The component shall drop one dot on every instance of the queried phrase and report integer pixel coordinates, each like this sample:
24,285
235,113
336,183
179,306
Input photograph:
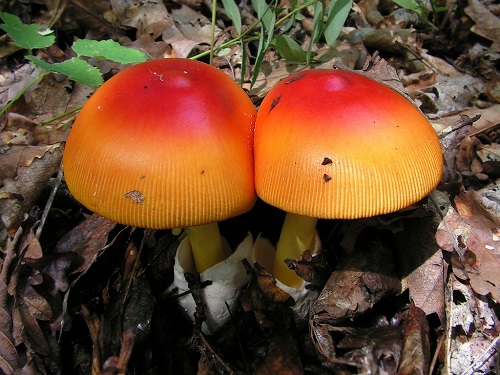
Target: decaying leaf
264,292
50,99
486,25
486,120
490,199
269,75
151,17
31,176
467,162
449,95
8,354
189,30
392,40
282,357
86,240
363,278
272,309
470,232
54,268
473,326
421,265
117,303
415,356
373,350
26,301
27,329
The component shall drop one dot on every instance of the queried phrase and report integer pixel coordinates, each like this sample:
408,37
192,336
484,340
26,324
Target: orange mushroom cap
163,144
335,144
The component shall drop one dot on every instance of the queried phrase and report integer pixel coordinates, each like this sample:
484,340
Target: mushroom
335,144
166,144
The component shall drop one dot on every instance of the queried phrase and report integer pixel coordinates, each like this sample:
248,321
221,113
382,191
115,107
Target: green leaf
408,4
259,57
290,23
223,52
265,14
26,36
233,13
439,9
109,50
75,68
413,6
267,22
289,49
339,10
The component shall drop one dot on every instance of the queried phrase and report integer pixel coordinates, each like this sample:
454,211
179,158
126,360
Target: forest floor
80,294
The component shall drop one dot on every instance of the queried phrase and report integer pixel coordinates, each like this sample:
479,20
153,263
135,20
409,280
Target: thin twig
48,205
482,358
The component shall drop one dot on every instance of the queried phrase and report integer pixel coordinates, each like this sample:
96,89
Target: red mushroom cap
335,144
166,143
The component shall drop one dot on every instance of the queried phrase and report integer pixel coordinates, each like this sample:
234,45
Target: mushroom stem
206,245
297,236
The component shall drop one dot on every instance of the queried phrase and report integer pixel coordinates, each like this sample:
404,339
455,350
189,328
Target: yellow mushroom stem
297,235
206,245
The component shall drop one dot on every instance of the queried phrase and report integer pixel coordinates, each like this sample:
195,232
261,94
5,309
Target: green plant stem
294,12
230,43
212,39
241,38
69,112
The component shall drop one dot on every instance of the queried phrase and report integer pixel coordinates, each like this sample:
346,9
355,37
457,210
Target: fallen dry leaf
27,329
8,353
471,331
448,94
375,349
31,175
282,357
479,60
146,43
391,40
467,161
189,30
21,305
271,307
364,277
486,25
262,339
370,11
13,81
271,72
421,265
415,356
487,119
149,17
21,156
51,98
86,240
470,232
489,199
264,292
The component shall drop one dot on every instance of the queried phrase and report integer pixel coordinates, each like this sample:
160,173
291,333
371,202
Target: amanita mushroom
166,144
335,144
